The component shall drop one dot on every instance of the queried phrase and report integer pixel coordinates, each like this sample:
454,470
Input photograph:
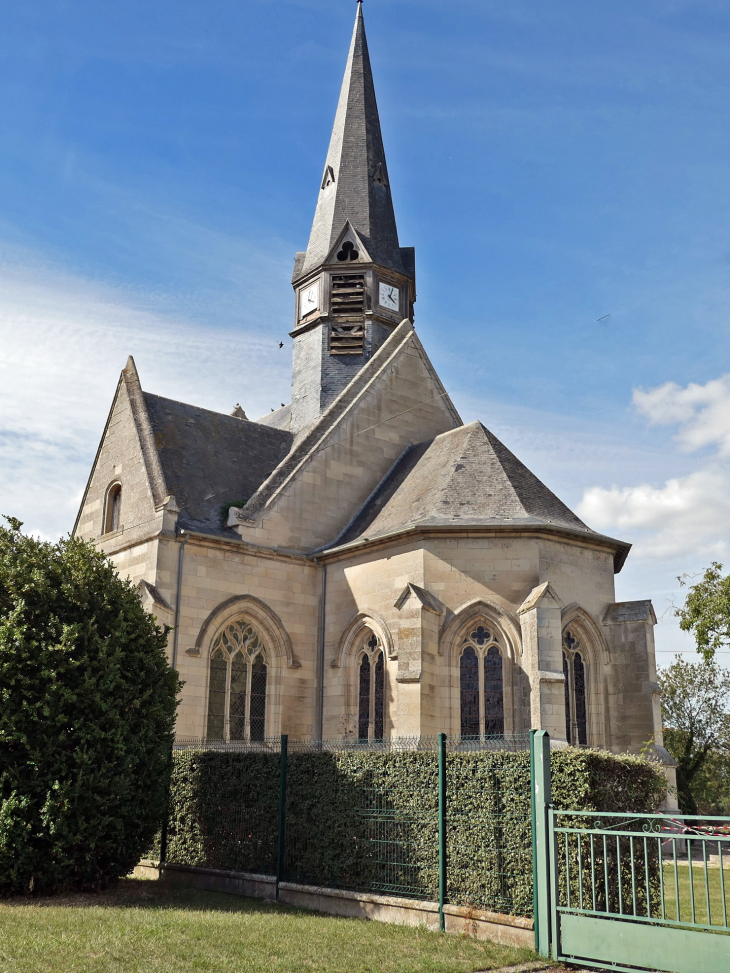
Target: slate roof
209,458
468,478
355,161
279,418
309,440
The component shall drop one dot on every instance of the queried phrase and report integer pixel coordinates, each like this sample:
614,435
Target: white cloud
688,516
683,523
63,342
702,412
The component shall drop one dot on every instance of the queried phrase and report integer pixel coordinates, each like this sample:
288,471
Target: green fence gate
629,891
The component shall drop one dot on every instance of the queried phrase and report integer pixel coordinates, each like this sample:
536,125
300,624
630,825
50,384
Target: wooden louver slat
347,304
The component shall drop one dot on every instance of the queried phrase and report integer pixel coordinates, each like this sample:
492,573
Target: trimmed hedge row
368,820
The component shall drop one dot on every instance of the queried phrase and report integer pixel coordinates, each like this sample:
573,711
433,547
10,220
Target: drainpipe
181,554
320,659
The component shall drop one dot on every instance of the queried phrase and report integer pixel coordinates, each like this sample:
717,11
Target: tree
706,611
696,720
87,711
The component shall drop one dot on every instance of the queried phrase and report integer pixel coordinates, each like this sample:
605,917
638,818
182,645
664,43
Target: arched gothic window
112,514
481,684
237,685
371,691
574,670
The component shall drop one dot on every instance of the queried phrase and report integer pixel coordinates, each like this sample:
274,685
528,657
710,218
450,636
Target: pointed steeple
355,185
355,283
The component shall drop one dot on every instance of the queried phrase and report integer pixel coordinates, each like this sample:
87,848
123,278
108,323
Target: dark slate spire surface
355,183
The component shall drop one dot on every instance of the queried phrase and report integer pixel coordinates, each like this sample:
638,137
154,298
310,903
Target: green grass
698,884
147,927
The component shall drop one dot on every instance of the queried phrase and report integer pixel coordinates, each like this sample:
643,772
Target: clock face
308,300
389,297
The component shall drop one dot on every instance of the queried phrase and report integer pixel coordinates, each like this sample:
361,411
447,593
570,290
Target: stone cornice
365,545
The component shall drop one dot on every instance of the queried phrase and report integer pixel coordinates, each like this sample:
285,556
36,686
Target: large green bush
87,710
369,820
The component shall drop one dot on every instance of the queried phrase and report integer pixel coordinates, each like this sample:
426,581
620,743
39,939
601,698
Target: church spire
355,283
355,185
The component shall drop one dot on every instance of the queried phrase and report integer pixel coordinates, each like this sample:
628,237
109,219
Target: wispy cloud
64,342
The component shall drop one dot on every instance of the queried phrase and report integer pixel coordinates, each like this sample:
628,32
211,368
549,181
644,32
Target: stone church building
361,564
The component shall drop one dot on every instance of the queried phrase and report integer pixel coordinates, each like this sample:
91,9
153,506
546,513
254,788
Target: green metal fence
629,892
383,843
441,828
649,868
641,891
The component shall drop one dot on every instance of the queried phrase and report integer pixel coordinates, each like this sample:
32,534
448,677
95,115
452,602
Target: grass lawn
698,884
147,927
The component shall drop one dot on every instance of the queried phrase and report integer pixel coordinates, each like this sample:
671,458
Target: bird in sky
281,344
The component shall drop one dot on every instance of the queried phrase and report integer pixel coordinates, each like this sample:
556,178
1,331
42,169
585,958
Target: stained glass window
493,693
363,721
217,695
379,696
237,686
469,693
568,708
371,692
579,683
257,717
481,636
576,708
481,684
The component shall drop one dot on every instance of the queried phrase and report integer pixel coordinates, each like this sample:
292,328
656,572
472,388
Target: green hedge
368,820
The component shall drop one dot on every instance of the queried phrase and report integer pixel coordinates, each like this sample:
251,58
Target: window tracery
481,684
371,690
237,684
574,670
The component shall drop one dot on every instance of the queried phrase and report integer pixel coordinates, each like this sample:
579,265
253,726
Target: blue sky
551,163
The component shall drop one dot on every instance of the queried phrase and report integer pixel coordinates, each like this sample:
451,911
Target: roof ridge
148,445
326,422
518,485
475,434
189,405
337,411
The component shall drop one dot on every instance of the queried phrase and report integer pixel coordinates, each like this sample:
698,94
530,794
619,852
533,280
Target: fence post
541,799
281,843
163,829
533,809
442,829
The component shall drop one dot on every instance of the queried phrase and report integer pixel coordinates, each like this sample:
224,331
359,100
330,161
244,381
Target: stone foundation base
506,930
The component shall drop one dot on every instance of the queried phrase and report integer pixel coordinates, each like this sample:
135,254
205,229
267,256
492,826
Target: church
360,564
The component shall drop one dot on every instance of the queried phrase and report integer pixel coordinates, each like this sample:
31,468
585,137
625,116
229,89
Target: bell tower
354,283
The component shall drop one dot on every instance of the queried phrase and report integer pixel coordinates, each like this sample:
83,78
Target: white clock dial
389,297
308,300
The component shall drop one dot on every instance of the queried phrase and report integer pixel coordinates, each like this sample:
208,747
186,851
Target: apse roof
464,478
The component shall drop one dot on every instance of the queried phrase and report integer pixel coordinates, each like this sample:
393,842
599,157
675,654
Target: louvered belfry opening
347,332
